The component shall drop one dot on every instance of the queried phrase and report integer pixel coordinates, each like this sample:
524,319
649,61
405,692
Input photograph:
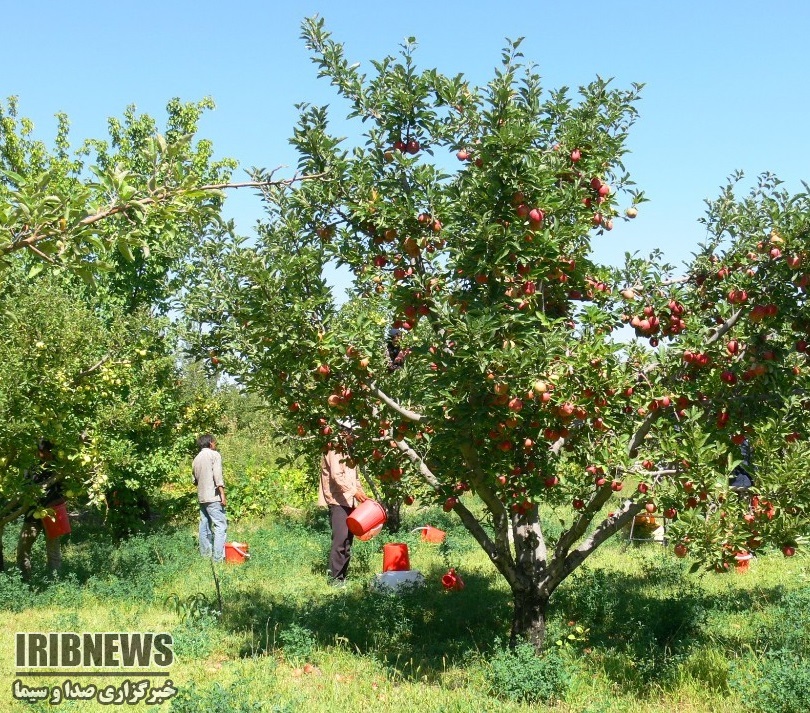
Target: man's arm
219,482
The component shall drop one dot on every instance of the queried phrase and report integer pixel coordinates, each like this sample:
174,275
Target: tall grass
634,628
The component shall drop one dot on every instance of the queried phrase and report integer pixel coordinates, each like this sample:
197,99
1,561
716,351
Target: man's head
207,441
44,449
347,430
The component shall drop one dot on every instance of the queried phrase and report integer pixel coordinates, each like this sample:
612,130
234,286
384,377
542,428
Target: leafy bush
521,675
234,699
261,490
298,642
781,684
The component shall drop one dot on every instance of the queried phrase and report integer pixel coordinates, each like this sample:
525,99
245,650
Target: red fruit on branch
680,550
450,503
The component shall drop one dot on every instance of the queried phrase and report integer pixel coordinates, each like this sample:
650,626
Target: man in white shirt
207,470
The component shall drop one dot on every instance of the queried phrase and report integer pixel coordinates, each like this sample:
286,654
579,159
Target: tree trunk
529,618
394,521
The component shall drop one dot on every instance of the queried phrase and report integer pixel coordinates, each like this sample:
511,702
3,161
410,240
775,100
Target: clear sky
726,82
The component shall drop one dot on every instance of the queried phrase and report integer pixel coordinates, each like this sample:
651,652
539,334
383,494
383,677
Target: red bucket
451,580
57,524
371,533
236,552
432,534
395,557
365,517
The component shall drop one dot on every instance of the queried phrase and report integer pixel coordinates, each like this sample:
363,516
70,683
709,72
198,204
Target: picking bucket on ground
743,559
451,580
395,557
365,517
432,534
237,552
57,524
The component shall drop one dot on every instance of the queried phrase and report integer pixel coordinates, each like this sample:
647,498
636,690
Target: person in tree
44,477
396,354
742,476
207,470
340,490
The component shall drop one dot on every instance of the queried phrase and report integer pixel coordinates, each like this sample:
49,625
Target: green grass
647,635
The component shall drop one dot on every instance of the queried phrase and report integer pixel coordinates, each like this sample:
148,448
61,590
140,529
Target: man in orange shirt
340,490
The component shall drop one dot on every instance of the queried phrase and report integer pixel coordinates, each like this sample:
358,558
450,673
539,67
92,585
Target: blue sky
726,86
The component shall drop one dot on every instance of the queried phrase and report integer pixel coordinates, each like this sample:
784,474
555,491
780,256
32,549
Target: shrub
234,699
521,675
258,491
297,641
781,684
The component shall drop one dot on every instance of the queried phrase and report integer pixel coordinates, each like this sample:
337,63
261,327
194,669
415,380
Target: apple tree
92,250
466,217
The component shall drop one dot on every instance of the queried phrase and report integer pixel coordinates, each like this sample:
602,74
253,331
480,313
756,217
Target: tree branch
388,401
603,532
728,324
580,525
643,430
503,564
110,211
500,517
91,369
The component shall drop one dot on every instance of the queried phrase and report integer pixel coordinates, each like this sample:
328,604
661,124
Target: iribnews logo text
105,650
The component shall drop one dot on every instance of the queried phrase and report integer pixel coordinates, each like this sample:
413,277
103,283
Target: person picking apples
44,477
340,490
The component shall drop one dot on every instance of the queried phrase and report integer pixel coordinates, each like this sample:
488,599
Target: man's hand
360,496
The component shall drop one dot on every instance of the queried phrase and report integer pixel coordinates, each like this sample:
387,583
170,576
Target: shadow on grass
417,630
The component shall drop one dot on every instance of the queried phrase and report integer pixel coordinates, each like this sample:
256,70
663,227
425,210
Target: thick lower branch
603,532
500,516
580,525
395,405
499,558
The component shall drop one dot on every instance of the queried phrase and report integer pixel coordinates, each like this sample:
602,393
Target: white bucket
394,580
